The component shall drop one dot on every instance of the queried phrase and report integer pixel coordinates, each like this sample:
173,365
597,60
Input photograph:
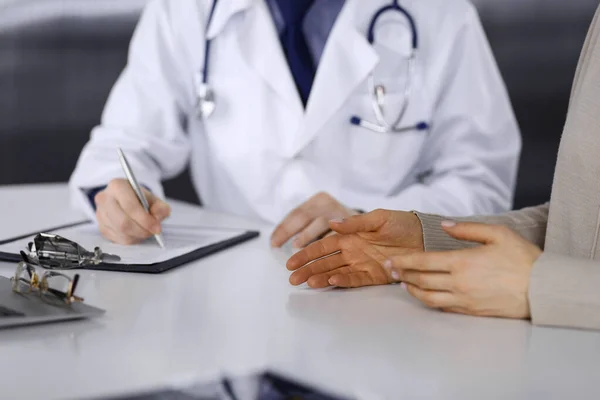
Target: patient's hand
489,280
363,244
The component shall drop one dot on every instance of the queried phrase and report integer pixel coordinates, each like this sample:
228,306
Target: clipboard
154,268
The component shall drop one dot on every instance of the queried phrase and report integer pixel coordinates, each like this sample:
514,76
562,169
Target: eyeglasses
53,287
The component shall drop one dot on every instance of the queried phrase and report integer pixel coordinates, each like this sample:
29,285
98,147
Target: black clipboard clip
56,252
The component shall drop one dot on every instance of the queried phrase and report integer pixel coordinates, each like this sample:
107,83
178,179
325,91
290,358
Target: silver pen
138,190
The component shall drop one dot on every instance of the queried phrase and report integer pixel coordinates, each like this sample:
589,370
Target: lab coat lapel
347,60
261,48
224,11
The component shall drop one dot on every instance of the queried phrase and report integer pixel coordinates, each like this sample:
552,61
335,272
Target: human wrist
419,231
434,237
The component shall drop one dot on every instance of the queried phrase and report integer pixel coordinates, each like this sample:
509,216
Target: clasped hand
384,247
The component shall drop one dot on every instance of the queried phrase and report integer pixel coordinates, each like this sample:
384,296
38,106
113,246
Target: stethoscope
377,92
205,95
205,105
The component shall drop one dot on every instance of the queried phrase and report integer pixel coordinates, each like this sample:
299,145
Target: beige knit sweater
565,282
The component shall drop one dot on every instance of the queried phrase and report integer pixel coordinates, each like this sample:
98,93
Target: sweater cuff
563,291
434,237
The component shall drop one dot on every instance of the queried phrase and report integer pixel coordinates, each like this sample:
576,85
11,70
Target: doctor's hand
490,280
122,218
309,221
356,256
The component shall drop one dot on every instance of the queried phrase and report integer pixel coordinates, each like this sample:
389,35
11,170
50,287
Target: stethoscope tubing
206,99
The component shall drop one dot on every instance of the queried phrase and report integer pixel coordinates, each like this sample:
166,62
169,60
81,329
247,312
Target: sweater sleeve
530,223
563,291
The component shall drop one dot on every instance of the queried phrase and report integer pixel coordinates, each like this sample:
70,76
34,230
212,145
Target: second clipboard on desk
81,246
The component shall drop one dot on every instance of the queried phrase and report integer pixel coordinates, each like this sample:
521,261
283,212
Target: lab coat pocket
387,158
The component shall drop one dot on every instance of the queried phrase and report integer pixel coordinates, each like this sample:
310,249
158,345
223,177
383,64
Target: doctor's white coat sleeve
473,149
144,115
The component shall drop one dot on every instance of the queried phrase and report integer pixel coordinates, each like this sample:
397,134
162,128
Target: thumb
369,222
475,232
158,207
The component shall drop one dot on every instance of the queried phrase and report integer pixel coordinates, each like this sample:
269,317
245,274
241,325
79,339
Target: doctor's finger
159,208
131,205
315,230
295,222
117,237
108,231
318,267
104,225
122,223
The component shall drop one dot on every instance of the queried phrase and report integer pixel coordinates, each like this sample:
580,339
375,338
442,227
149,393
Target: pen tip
160,241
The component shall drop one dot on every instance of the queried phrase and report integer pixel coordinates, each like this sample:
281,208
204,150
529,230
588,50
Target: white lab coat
261,154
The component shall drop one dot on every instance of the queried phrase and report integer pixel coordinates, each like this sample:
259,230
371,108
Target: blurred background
60,58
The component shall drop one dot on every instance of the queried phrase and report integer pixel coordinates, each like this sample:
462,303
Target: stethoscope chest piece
205,106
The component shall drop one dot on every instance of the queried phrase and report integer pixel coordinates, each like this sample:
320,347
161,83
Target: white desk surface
235,313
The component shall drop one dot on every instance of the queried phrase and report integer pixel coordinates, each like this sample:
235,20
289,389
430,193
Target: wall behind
537,45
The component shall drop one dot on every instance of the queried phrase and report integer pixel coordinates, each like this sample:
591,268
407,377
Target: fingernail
156,229
388,264
331,281
163,215
337,220
296,243
448,224
395,275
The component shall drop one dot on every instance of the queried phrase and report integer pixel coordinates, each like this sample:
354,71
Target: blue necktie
294,44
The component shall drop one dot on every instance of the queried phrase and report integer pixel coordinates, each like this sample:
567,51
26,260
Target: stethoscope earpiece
422,126
357,121
378,92
206,103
